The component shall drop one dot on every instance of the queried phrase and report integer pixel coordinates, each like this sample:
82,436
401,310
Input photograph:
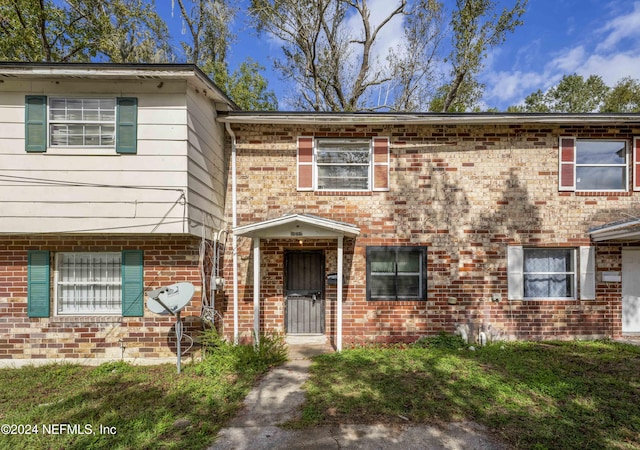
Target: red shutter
567,176
381,164
636,164
305,163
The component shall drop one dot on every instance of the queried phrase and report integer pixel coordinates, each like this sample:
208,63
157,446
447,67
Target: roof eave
329,228
276,118
108,71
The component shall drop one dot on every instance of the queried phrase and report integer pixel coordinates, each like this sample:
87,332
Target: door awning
627,230
298,226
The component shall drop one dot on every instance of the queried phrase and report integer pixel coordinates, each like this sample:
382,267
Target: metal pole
178,338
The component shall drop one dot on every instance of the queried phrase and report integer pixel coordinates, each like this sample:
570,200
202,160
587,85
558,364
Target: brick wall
167,260
464,191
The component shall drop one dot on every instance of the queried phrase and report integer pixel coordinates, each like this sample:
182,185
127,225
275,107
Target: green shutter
38,284
132,283
35,123
127,125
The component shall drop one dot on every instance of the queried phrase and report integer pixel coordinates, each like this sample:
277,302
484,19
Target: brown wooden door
304,292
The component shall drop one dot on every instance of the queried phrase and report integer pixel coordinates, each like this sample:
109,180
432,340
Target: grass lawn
118,406
548,395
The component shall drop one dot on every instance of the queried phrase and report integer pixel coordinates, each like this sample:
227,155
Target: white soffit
628,230
298,226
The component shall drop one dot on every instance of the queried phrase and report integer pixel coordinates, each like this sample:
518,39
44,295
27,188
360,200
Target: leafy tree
477,27
133,32
248,88
208,23
39,30
336,68
82,30
624,97
573,94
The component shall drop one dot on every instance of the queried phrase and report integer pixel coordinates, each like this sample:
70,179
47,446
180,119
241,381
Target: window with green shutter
99,283
81,122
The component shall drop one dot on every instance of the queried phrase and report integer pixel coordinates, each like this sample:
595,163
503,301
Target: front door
304,292
630,290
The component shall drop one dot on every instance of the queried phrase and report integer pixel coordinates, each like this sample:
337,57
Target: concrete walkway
279,397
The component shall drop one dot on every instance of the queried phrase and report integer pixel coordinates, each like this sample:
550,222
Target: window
339,165
343,165
549,273
593,165
396,273
82,122
88,283
601,165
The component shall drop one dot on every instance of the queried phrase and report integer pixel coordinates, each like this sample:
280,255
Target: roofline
386,118
114,71
623,229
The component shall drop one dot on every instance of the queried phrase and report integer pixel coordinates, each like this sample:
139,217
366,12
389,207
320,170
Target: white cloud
620,28
612,67
569,60
612,52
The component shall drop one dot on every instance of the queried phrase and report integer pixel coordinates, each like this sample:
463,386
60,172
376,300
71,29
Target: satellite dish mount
171,300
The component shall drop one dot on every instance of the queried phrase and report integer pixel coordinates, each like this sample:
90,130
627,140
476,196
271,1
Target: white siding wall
101,191
206,165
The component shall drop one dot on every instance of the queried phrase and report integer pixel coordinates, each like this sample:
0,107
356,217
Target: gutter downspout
234,224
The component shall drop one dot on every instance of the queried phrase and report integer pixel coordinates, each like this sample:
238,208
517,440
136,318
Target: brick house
112,184
346,228
357,228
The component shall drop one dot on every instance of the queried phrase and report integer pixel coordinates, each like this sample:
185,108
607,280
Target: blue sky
559,37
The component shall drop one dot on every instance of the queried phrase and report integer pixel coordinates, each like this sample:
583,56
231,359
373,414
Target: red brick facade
466,192
167,260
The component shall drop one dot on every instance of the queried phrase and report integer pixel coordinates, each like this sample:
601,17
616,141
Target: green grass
147,407
550,395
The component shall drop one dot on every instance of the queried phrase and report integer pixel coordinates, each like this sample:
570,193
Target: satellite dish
170,299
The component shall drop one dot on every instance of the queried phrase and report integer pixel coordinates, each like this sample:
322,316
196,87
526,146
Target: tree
133,32
476,29
248,88
208,23
333,51
414,64
624,97
573,94
335,67
39,30
82,30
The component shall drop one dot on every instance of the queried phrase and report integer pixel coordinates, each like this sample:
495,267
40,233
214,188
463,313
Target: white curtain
548,273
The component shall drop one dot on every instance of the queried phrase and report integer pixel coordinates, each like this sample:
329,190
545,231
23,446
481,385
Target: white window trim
57,282
625,165
50,122
574,273
584,278
316,172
